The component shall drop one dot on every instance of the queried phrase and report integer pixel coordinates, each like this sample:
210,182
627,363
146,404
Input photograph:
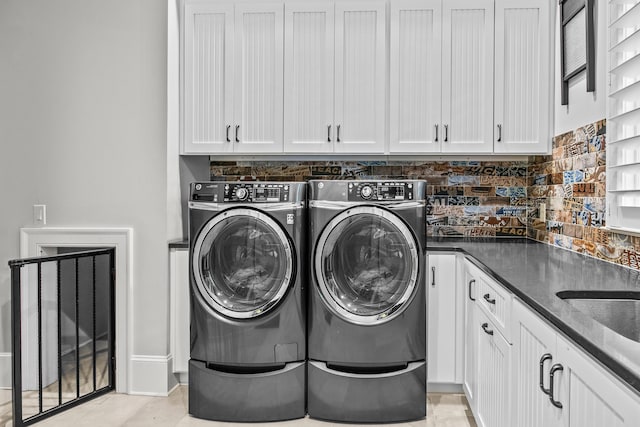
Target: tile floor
443,410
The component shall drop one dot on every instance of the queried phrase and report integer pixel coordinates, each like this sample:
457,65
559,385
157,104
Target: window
623,121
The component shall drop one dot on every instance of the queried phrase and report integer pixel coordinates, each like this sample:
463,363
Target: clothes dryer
367,301
247,263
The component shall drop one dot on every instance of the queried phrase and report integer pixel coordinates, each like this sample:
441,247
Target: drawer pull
328,133
228,127
544,358
488,299
436,140
433,277
471,282
485,328
237,133
555,368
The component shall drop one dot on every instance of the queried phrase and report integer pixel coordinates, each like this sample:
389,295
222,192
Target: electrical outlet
39,214
542,211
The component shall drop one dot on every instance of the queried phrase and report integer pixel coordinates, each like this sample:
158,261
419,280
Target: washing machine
248,317
367,301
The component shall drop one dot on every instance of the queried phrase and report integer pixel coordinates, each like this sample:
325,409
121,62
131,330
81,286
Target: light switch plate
39,214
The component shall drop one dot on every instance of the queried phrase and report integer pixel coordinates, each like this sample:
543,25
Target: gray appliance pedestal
367,398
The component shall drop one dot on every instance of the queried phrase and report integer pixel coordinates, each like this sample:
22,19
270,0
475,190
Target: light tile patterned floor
111,410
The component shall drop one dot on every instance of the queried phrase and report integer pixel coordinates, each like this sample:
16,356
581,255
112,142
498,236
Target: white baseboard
444,388
5,370
152,375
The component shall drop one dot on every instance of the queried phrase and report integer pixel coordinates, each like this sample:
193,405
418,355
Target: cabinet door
533,354
441,328
415,96
360,76
522,76
493,375
467,76
259,29
590,396
470,382
308,92
208,77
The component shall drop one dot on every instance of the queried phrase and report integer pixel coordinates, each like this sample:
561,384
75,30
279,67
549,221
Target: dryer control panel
360,191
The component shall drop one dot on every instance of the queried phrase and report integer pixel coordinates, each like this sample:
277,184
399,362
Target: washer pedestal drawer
367,398
268,396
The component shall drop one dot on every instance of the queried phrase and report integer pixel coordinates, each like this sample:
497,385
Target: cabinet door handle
544,358
237,133
488,299
338,134
472,281
436,138
433,277
446,133
555,368
499,133
328,133
485,328
228,128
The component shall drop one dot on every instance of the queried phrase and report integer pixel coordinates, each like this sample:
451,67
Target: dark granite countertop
179,244
534,272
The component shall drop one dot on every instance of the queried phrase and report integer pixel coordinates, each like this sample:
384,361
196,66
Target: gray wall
83,130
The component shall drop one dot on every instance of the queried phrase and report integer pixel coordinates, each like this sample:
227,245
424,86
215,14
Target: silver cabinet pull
338,136
488,299
436,138
237,133
446,133
555,368
471,282
499,133
228,128
433,277
328,133
485,328
544,358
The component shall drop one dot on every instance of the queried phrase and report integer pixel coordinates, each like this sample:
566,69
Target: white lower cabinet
470,376
578,392
493,393
445,324
180,313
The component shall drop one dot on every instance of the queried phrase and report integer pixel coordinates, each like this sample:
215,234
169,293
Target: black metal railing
63,326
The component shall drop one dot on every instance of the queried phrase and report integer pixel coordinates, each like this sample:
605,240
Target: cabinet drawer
495,301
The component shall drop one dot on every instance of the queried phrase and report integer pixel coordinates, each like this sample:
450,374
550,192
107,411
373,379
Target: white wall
584,107
83,106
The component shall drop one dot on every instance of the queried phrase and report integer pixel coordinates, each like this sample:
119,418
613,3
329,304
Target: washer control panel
248,192
362,191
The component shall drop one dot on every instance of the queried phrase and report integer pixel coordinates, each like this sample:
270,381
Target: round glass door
366,262
242,263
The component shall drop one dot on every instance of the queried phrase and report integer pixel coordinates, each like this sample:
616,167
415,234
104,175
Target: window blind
623,121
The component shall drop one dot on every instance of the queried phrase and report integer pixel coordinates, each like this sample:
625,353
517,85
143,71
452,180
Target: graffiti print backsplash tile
465,198
570,184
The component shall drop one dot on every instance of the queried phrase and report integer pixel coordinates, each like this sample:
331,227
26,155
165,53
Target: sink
617,310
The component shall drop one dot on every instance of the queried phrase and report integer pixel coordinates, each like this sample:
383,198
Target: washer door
366,263
242,263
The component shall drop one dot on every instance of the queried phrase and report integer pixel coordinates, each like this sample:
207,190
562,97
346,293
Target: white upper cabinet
415,97
259,77
360,75
233,76
467,76
308,89
335,74
208,77
522,76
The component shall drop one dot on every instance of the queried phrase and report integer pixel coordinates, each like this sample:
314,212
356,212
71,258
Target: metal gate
63,332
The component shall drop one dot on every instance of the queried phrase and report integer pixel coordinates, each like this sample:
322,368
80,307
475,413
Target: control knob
366,192
242,193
